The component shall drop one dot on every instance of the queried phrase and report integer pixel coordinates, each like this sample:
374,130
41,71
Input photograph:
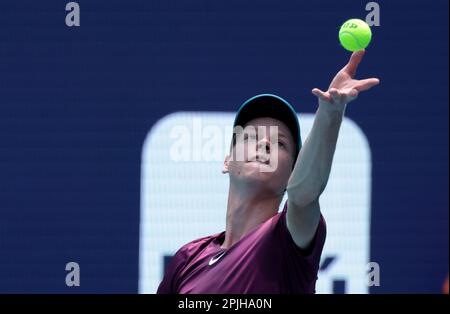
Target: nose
264,145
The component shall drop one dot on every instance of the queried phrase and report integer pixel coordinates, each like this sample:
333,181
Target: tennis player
263,250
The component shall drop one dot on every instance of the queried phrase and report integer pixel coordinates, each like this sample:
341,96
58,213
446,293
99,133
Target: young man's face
263,155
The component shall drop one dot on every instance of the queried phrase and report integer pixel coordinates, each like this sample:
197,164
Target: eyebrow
282,135
286,138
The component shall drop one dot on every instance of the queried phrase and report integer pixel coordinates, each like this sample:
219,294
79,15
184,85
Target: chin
258,171
261,167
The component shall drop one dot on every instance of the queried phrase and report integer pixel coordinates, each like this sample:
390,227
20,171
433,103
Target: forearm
313,166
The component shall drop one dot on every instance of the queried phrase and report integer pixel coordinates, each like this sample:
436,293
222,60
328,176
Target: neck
246,210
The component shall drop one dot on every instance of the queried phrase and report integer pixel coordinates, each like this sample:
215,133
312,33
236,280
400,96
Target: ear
226,163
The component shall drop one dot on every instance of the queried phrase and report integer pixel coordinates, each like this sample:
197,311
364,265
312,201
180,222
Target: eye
246,136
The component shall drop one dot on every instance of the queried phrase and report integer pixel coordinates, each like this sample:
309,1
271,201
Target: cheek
242,151
234,167
285,165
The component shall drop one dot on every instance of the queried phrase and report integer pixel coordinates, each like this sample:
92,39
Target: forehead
267,122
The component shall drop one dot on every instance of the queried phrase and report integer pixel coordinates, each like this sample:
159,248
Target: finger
366,84
320,94
351,95
353,63
317,92
335,95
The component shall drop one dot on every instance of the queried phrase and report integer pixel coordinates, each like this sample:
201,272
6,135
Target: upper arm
302,222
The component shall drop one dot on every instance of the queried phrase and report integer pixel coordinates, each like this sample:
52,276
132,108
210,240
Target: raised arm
312,169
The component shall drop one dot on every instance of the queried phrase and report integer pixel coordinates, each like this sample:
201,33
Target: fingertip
357,55
316,92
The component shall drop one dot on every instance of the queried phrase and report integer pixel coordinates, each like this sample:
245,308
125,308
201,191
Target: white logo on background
73,17
73,276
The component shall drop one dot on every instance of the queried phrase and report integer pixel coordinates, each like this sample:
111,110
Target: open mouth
260,160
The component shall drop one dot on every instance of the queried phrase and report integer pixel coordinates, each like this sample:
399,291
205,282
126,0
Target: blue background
76,104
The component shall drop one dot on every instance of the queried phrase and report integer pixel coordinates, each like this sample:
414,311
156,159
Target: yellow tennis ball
355,35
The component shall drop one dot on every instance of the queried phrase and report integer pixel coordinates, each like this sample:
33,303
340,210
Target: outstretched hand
344,88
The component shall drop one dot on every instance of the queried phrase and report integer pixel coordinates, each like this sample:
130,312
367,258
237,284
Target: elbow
306,191
303,197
